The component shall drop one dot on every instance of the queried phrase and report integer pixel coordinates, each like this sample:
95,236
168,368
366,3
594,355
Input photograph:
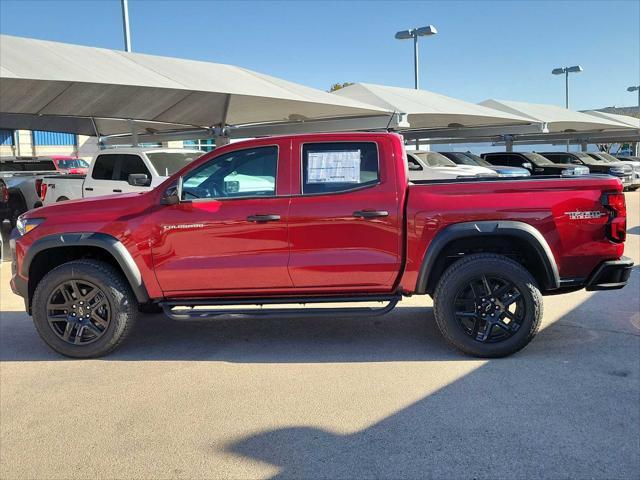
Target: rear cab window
333,167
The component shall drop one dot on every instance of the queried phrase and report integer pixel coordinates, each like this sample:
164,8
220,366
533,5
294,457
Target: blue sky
499,49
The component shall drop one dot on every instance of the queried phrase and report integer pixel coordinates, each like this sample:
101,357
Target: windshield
537,159
461,158
478,159
605,157
72,163
434,159
168,163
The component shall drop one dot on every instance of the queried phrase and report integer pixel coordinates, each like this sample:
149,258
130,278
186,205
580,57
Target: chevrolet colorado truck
324,219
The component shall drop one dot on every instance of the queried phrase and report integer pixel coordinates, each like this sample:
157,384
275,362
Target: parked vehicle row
120,170
598,163
322,218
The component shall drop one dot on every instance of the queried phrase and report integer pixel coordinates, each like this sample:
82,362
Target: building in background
26,143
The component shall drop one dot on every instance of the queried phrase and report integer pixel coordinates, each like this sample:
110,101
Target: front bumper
19,285
610,275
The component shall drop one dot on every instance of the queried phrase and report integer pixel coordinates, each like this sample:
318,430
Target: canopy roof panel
624,119
558,119
430,110
48,78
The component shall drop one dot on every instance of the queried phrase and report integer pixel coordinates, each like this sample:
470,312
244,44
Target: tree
338,86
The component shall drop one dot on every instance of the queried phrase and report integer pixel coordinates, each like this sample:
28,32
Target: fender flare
521,230
89,239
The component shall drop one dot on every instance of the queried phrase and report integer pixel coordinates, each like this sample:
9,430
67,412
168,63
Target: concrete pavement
330,398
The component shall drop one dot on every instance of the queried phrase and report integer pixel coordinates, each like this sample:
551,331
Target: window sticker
337,166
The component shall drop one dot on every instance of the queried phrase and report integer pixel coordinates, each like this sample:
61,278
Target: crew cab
319,219
596,164
534,162
119,170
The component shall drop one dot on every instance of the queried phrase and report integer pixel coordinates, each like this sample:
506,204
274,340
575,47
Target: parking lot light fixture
635,88
415,33
566,71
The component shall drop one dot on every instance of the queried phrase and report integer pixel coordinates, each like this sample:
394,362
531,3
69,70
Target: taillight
4,193
39,187
617,225
43,191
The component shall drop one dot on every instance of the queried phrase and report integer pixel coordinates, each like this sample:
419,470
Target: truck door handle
263,218
89,189
370,213
117,190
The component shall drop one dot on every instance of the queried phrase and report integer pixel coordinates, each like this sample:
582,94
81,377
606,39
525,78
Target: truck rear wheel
488,305
84,309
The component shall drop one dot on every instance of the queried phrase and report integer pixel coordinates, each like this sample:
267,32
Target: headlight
25,225
616,170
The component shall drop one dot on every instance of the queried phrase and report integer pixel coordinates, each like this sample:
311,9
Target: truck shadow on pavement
564,407
408,333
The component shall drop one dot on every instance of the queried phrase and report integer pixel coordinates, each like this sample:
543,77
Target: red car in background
70,165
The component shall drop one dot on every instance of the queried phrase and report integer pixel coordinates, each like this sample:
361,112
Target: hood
466,170
505,170
94,209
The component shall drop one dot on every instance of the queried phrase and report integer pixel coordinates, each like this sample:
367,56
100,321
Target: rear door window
104,167
339,166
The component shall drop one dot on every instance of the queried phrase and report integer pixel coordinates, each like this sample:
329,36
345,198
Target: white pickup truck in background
119,170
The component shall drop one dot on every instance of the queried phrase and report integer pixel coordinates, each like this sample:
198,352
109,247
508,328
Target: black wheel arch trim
91,239
521,230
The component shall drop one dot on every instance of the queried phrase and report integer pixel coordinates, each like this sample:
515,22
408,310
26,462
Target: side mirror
139,180
528,166
173,195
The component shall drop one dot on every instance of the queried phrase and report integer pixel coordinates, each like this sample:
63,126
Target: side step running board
186,309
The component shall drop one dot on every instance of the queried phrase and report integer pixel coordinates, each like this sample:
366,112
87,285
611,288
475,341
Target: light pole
125,25
566,71
415,33
635,89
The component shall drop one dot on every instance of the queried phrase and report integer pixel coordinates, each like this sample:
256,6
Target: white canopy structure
633,122
63,87
428,110
557,119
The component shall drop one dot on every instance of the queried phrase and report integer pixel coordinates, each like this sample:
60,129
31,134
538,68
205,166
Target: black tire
62,199
465,330
114,294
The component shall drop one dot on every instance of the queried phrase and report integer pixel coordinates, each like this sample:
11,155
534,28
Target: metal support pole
508,143
125,25
566,89
134,133
416,79
583,145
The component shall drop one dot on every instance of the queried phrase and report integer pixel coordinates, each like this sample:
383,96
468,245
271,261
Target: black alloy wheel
78,312
489,308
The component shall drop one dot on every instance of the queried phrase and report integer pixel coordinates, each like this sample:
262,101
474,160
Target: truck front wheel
84,308
488,305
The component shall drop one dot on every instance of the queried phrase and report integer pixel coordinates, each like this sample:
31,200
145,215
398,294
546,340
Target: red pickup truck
319,219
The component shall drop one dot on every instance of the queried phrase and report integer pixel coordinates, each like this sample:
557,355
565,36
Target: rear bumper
610,275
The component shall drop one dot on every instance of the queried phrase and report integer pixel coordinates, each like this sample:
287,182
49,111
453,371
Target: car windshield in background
168,163
588,159
537,158
73,163
461,158
434,159
479,160
606,157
